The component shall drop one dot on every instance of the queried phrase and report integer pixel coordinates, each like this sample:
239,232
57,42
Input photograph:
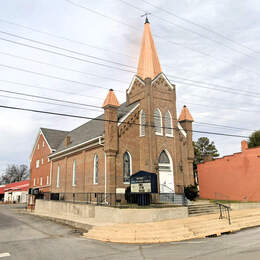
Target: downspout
99,141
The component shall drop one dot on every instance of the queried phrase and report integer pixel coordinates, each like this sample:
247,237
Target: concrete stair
202,209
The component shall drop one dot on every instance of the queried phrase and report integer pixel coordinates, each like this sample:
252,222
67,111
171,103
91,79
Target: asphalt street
29,237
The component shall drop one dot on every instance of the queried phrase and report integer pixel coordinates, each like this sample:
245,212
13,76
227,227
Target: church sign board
143,182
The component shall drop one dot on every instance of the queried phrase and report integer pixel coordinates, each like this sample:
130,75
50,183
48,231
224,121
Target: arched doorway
166,177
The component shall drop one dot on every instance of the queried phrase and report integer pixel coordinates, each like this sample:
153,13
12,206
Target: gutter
76,146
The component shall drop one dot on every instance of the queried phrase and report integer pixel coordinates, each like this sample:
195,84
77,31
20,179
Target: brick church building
141,134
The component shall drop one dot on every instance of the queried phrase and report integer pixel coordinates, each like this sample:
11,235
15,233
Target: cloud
119,43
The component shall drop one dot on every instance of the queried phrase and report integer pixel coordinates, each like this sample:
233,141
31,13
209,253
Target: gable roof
53,137
92,129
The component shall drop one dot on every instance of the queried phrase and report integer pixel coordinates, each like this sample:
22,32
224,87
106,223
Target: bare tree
14,173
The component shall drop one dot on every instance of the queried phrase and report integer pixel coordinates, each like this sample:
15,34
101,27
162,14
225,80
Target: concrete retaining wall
250,205
107,214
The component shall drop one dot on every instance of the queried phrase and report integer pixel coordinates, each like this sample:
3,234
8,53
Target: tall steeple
148,64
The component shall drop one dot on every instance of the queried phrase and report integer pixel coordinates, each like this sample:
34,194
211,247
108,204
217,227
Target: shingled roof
92,129
54,137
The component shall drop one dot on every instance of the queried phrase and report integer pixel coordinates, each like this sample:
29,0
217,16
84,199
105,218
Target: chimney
244,145
67,141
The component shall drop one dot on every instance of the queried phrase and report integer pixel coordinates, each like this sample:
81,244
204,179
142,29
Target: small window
38,180
74,174
168,124
38,146
47,180
34,182
41,181
48,159
127,167
37,163
95,179
43,143
142,122
157,122
42,160
58,177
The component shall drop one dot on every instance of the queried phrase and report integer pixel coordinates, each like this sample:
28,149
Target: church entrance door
166,177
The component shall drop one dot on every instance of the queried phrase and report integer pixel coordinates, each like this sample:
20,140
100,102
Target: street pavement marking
4,254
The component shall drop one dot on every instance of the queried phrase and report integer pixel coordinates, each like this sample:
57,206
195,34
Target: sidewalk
175,230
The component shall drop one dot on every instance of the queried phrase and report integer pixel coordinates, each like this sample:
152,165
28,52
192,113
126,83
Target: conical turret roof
111,99
148,64
185,115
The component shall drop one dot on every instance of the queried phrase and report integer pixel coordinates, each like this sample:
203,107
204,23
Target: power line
49,89
67,56
64,49
44,102
65,38
186,29
68,69
54,77
157,36
47,98
60,67
64,55
104,120
80,104
202,27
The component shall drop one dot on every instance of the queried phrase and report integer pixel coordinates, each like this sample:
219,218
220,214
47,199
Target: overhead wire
113,121
201,26
98,107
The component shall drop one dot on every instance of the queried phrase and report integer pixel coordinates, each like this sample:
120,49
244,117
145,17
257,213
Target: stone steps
202,209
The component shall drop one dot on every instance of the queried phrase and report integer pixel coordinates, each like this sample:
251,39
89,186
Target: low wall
244,205
107,214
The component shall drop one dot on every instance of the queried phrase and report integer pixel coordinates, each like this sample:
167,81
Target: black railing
119,200
224,212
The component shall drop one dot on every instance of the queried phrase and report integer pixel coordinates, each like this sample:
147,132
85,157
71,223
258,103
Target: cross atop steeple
146,17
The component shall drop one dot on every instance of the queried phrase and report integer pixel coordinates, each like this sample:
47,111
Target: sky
209,49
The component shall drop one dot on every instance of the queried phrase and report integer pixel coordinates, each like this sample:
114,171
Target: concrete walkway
175,230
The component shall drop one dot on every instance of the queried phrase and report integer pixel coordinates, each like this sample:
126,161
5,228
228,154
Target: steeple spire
148,64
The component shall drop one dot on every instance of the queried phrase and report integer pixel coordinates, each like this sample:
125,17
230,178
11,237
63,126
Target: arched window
157,122
168,124
74,174
58,177
142,122
127,167
95,179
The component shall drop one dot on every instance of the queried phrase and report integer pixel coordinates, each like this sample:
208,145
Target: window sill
169,135
159,134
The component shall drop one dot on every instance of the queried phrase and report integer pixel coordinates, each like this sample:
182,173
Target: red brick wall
44,169
234,177
84,172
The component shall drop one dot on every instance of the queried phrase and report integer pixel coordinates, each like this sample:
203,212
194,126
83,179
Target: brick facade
118,131
124,137
40,176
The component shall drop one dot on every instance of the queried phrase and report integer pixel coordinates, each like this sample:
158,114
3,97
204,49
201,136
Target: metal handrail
224,212
168,187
